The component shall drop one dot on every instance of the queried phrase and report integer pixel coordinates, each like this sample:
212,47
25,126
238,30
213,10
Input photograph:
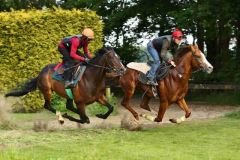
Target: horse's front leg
70,106
128,86
81,110
102,100
162,109
183,105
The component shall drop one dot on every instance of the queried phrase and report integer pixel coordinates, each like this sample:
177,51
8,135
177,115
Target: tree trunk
237,34
223,38
200,36
211,43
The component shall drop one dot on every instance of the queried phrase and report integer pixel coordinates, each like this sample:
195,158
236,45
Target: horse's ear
196,46
193,48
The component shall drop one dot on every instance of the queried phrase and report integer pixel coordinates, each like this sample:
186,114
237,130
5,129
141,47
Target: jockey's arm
74,47
86,51
165,49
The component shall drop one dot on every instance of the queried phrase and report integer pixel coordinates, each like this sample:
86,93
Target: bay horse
89,89
171,89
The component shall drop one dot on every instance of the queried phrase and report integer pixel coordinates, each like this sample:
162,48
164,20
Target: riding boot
152,81
68,82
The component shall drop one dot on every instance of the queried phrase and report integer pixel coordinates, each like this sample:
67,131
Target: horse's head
198,59
112,61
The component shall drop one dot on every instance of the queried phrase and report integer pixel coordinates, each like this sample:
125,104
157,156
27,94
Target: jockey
69,46
160,48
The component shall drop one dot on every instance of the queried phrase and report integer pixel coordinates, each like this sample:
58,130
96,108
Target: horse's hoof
157,120
101,116
82,121
173,120
188,115
61,122
87,121
146,108
136,117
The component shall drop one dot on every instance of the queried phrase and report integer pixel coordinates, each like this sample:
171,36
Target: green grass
217,139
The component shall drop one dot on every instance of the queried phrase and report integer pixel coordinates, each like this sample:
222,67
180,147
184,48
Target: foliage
128,53
7,5
29,39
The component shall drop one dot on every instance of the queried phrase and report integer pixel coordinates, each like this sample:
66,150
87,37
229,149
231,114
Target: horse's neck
184,66
95,74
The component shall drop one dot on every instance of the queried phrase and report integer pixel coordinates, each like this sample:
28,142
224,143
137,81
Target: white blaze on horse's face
205,64
122,66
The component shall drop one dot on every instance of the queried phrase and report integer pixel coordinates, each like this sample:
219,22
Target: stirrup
152,82
69,84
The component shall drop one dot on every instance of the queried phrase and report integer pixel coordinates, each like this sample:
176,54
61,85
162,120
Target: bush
29,39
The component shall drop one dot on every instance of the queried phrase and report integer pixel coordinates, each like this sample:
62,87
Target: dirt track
199,112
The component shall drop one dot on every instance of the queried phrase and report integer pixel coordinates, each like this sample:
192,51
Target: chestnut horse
171,89
89,89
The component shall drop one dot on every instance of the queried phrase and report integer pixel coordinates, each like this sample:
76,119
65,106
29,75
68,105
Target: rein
109,69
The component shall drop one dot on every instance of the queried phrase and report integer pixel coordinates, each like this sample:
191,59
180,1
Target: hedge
29,39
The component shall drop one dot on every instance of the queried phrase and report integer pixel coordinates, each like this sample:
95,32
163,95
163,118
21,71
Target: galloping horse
172,88
89,89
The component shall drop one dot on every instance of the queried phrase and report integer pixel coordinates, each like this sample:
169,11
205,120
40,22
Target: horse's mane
182,51
100,52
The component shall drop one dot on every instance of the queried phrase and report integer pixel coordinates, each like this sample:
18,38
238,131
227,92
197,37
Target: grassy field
217,139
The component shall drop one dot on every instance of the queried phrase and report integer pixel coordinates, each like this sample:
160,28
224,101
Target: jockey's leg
68,72
156,63
102,100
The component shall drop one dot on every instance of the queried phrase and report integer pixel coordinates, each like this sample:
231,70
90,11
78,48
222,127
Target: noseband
118,71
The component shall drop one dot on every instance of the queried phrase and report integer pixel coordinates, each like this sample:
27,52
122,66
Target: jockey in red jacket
69,46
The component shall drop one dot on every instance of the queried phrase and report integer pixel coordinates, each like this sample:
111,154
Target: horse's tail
27,87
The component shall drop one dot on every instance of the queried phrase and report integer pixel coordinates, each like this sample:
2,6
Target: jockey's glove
172,63
86,60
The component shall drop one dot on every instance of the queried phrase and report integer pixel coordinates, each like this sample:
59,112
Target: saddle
77,73
161,72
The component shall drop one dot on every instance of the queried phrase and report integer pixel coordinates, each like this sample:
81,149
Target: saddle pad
142,67
58,74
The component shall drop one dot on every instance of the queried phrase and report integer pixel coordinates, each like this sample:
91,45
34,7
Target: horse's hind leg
102,100
145,102
47,97
47,105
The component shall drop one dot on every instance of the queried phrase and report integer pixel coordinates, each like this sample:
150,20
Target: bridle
118,71
197,58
